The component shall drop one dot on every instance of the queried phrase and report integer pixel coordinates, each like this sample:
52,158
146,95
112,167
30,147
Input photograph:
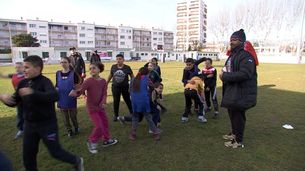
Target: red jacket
249,48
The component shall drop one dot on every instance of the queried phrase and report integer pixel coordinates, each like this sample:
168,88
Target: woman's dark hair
66,58
99,65
155,59
137,80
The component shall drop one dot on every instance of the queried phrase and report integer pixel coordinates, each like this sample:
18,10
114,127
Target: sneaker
229,143
121,119
237,145
156,136
80,165
132,136
150,132
158,124
216,113
70,134
184,119
228,137
92,147
115,118
202,119
18,135
110,142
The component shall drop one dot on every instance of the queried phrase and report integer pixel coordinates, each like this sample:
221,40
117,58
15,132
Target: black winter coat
240,85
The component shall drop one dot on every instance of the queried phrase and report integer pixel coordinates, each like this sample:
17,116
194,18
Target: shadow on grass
191,146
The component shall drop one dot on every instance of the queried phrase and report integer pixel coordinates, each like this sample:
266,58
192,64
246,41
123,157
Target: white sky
136,13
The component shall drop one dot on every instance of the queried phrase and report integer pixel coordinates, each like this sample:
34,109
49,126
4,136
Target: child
140,101
209,74
66,80
120,84
96,90
155,98
194,91
16,78
153,74
38,96
191,69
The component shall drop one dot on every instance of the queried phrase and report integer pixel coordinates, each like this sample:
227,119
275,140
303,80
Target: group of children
198,87
36,95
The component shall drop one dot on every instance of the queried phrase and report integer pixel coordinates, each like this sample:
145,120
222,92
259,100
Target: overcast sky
136,13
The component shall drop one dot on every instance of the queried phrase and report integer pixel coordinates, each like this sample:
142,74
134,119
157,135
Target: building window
63,54
42,27
45,54
82,42
42,41
33,33
82,35
109,54
24,54
129,37
89,29
107,43
122,43
65,28
155,33
160,33
90,42
82,28
122,37
160,39
155,39
32,25
42,34
122,30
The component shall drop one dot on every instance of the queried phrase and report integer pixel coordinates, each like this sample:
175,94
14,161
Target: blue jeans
148,117
5,163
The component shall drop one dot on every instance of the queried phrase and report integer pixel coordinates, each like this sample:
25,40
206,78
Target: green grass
190,146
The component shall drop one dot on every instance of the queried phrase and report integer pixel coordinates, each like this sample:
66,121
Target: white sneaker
184,119
202,119
150,132
18,135
92,147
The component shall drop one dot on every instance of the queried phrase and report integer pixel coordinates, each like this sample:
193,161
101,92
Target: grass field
190,146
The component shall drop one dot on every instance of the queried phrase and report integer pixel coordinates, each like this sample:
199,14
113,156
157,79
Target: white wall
125,37
85,35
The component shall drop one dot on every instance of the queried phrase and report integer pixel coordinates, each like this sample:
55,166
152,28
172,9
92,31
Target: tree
25,40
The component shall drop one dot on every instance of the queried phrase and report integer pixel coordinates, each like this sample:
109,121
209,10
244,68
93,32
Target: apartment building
86,36
191,23
9,28
168,40
63,35
157,39
125,37
39,29
141,39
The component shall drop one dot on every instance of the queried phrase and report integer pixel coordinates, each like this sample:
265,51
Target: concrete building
191,23
142,39
125,37
63,35
85,35
168,41
10,28
106,37
157,39
39,29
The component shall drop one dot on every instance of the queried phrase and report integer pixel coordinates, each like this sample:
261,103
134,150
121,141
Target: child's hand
73,93
7,99
25,91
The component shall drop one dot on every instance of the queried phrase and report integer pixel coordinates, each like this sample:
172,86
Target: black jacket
77,63
95,58
195,71
240,85
39,106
